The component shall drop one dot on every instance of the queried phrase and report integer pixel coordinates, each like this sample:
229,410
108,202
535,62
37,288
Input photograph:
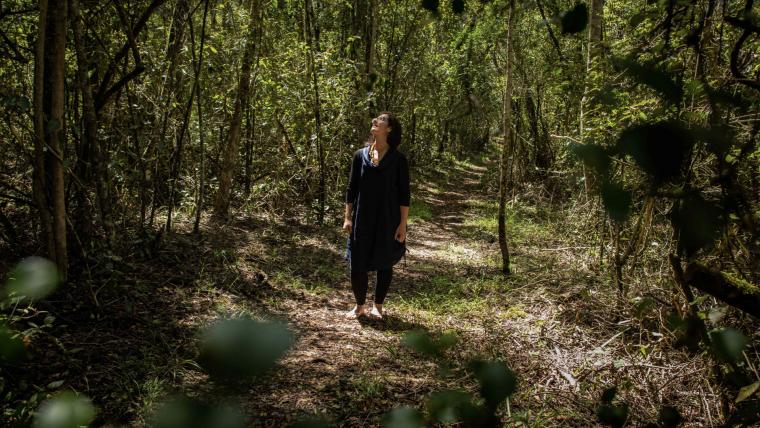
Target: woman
377,206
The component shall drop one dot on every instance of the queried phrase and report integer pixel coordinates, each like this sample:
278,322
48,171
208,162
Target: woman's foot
356,312
376,312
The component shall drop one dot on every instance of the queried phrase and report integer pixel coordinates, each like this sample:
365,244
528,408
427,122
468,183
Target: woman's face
380,125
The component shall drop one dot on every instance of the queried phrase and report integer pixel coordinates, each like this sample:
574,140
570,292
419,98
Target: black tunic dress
377,192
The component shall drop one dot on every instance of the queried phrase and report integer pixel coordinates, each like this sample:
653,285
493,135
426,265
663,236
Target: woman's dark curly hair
394,137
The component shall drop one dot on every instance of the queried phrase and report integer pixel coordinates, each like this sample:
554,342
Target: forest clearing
579,244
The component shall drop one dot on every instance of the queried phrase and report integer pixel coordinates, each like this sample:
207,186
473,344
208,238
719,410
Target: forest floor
554,320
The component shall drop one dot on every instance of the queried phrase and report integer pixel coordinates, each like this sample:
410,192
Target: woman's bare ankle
356,312
376,311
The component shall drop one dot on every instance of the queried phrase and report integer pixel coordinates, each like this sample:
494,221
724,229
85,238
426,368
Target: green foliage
33,278
617,201
659,149
67,410
241,348
184,412
423,343
496,383
728,344
575,20
403,417
611,414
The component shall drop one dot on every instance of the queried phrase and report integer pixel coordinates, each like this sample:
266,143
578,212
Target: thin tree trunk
312,33
506,144
594,37
39,184
91,128
202,173
229,165
54,103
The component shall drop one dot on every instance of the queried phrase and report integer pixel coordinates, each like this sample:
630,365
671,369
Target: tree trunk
39,184
229,165
594,37
311,31
202,172
90,121
506,144
53,103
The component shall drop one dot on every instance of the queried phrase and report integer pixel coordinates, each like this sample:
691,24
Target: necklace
374,155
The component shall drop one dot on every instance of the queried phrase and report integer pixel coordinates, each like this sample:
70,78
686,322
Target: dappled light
376,213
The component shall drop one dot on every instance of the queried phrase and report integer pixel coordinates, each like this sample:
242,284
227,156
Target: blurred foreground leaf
653,77
33,278
728,344
243,348
617,201
189,413
699,222
66,410
403,417
497,381
11,347
658,148
423,343
575,19
447,406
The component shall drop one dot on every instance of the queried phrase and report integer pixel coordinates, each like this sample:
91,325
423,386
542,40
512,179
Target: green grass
315,284
484,223
419,211
445,294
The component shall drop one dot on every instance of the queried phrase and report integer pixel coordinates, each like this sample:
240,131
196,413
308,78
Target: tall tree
49,79
507,143
230,155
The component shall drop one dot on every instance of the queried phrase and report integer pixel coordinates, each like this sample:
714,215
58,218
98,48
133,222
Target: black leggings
360,283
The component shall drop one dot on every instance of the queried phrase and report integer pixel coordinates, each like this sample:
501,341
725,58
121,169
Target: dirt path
554,320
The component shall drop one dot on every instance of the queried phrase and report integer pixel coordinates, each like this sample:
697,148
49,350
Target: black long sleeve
353,181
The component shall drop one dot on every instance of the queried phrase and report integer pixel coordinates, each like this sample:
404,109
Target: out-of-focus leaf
184,412
669,417
728,344
653,77
457,6
242,348
659,148
699,222
446,406
718,139
11,347
575,19
431,5
421,342
66,410
403,417
613,415
33,278
609,394
497,381
687,331
617,201
311,422
594,156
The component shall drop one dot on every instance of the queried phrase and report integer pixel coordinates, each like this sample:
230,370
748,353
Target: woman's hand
400,233
347,226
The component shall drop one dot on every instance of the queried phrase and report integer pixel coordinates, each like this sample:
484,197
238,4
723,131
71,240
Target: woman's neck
381,145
